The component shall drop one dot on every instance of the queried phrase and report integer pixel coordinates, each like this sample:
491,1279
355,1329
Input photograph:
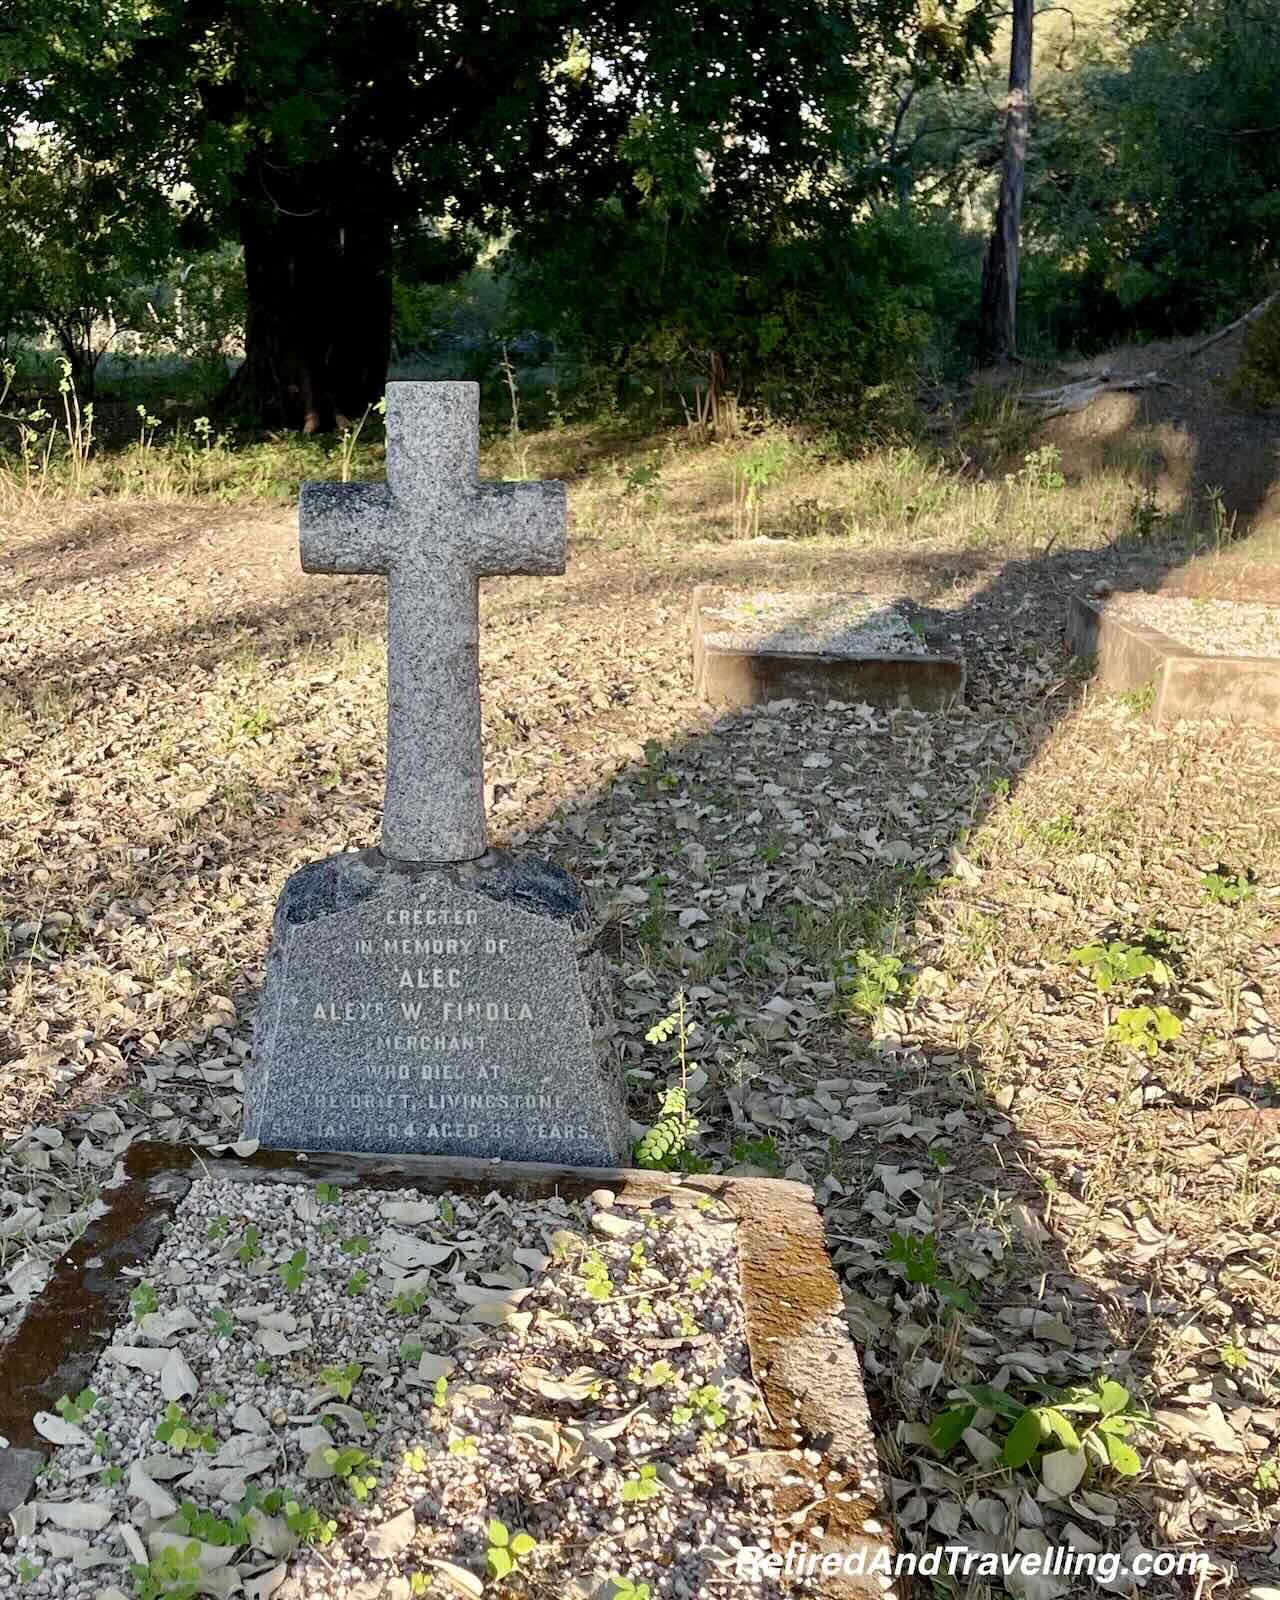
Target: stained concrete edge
728,679
1130,656
802,1357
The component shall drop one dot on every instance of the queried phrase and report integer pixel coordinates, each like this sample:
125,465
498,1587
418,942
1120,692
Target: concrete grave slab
814,1443
1132,656
774,645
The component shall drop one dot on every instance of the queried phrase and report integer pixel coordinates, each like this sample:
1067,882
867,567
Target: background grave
1184,656
777,645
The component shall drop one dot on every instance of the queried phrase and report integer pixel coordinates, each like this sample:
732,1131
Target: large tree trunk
998,330
317,258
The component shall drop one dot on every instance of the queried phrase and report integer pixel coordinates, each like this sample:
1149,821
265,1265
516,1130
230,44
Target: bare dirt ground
876,918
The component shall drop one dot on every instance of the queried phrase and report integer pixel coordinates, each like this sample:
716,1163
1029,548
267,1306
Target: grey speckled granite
435,532
438,1010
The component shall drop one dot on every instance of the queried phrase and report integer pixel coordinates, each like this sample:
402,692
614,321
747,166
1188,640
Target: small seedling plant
665,1145
1118,962
143,1301
293,1272
1144,1028
212,1529
76,1411
1224,887
250,1247
596,1283
626,1589
706,1403
356,1469
641,1486
181,1434
173,1575
1043,1435
1147,1026
340,1381
917,1256
870,982
507,1549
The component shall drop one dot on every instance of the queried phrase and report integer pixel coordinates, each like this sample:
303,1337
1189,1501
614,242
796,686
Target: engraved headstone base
458,1009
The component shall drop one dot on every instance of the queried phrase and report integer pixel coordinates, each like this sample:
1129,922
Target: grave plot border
727,678
816,1424
1131,658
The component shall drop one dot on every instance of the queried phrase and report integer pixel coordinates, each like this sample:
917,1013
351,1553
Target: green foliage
595,1277
1118,962
704,1402
626,1589
807,305
917,1255
1223,887
1154,189
340,1381
666,1144
77,1411
357,1283
642,1485
182,1435
871,982
173,1575
355,1468
407,1302
463,1444
212,1529
507,1549
78,242
250,1247
1032,1430
327,1194
143,1301
307,1524
1144,1028
293,1272
657,1376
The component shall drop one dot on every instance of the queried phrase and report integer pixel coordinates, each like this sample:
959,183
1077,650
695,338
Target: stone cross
434,532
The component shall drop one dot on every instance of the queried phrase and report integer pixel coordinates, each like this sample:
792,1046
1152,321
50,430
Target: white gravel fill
552,1400
817,624
1209,627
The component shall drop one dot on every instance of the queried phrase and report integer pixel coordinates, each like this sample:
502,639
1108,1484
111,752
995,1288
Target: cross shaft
434,531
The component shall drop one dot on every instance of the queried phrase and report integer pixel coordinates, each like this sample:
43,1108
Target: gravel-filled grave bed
352,1393
1209,627
821,624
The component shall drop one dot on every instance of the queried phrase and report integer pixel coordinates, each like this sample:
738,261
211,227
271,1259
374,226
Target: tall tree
322,132
998,328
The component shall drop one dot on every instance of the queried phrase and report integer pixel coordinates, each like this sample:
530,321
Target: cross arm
345,527
519,527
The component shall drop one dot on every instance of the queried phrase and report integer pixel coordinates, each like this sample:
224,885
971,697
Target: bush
802,320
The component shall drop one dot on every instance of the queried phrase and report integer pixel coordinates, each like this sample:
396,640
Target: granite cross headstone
433,996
